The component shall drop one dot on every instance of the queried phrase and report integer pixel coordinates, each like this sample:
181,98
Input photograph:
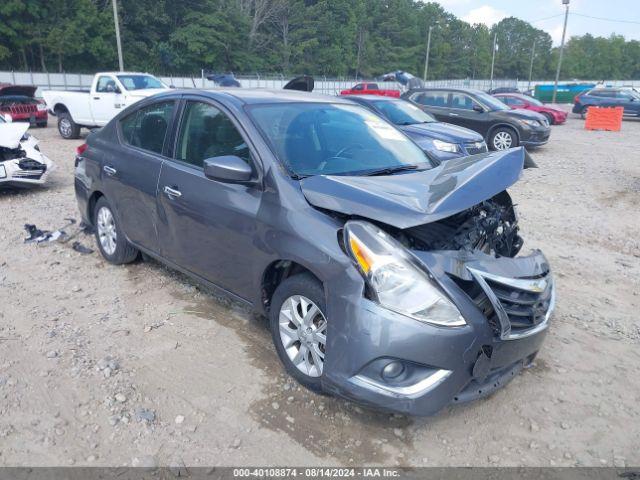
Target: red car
555,116
370,89
18,102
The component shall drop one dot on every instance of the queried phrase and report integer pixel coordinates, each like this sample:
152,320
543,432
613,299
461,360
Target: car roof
473,91
255,96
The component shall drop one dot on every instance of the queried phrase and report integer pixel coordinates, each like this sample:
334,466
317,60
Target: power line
606,19
546,18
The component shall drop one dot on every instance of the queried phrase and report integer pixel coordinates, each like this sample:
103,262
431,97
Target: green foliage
322,37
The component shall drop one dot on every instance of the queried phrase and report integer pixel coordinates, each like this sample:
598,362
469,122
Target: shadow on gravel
327,426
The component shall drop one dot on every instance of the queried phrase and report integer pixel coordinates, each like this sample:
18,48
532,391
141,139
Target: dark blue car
608,97
387,279
441,141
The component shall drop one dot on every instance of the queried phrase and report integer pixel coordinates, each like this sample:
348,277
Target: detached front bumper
443,365
25,172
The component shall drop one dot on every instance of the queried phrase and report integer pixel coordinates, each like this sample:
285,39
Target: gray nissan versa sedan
387,280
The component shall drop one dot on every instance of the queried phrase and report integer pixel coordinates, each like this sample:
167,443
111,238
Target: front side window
146,128
461,101
359,87
140,82
491,102
334,139
106,85
207,132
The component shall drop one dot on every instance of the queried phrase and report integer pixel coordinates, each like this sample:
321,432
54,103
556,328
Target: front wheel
299,328
67,127
112,243
503,138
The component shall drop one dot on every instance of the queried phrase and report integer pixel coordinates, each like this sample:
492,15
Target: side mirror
478,108
117,90
227,168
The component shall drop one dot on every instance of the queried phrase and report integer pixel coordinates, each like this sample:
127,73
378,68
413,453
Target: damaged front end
21,162
482,310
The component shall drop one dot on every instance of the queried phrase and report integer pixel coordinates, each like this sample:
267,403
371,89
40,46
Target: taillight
576,99
82,148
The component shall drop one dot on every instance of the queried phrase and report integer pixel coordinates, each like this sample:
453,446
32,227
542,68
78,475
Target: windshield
140,82
334,139
492,102
402,113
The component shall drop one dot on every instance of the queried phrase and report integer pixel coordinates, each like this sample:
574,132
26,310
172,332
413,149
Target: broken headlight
395,279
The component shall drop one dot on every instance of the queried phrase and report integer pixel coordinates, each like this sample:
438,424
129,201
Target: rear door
434,102
131,170
206,226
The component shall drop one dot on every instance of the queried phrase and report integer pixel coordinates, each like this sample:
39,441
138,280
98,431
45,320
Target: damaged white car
21,162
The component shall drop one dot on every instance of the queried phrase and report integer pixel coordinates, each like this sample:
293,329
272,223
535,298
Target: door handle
96,98
172,192
109,170
451,114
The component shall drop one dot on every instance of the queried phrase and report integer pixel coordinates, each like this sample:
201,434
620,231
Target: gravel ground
136,365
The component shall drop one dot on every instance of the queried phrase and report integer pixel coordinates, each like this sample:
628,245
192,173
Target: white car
110,93
21,162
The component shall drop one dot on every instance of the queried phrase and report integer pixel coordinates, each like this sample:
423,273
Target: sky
537,12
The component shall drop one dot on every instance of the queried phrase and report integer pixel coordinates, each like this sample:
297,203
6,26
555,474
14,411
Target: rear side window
207,132
432,99
146,128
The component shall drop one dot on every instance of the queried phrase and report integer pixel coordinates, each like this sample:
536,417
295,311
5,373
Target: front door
466,112
208,227
105,101
131,169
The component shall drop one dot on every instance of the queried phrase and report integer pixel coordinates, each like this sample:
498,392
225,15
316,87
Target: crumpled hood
405,200
12,133
441,131
26,90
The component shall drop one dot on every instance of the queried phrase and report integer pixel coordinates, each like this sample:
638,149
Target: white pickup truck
110,93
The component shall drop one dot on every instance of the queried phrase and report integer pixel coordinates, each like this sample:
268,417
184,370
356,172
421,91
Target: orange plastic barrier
604,118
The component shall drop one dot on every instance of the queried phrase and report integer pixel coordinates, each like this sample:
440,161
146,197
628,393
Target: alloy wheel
107,230
502,140
65,127
303,331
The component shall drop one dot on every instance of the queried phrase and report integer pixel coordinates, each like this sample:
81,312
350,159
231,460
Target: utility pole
426,60
115,19
564,32
533,52
493,58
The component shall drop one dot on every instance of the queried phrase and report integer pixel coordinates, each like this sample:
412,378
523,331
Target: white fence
329,86
78,81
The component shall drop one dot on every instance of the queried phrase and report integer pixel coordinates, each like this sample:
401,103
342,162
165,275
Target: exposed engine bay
21,162
490,227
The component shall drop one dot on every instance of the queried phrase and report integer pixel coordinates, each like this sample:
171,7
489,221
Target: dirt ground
136,365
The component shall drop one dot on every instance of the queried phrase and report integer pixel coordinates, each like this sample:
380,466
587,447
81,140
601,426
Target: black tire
549,118
42,125
302,284
67,127
124,252
500,131
583,113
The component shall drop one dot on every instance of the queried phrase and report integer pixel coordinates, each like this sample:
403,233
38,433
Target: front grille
513,306
475,148
21,109
30,169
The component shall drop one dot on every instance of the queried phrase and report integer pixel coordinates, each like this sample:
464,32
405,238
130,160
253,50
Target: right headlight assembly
395,279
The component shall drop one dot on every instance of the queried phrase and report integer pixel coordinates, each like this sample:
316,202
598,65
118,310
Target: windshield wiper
391,170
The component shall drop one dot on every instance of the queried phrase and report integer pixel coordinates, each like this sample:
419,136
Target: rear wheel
583,113
299,328
503,138
67,127
111,241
